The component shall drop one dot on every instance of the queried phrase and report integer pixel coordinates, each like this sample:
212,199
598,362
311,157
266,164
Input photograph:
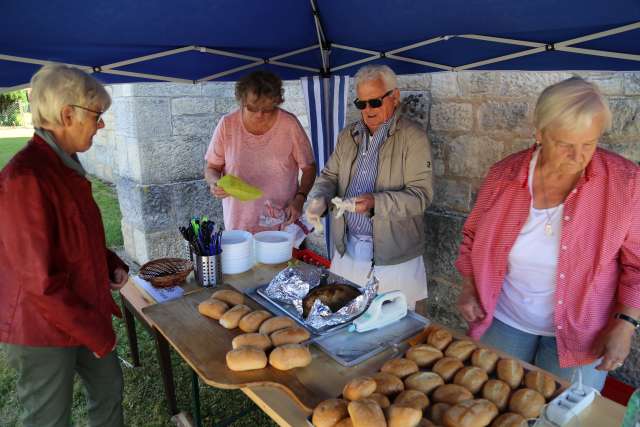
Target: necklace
548,229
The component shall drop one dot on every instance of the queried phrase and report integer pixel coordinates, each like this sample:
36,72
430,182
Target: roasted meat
334,295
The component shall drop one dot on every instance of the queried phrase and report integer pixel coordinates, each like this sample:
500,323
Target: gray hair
377,72
570,104
55,86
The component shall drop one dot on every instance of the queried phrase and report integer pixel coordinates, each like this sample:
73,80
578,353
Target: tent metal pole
40,62
355,49
322,40
231,71
146,76
360,61
419,44
293,52
500,59
501,40
594,52
611,32
420,62
147,57
297,67
226,53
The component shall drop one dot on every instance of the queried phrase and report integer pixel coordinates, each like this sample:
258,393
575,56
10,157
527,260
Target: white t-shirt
527,299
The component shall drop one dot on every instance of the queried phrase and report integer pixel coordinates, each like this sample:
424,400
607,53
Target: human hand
468,303
120,276
115,344
315,209
218,192
364,203
293,211
613,344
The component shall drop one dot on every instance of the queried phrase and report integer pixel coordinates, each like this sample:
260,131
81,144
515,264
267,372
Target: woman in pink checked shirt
550,255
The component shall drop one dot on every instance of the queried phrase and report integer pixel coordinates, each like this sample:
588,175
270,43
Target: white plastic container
272,247
237,251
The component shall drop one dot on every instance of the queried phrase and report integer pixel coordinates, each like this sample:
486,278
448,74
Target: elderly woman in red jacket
550,255
56,273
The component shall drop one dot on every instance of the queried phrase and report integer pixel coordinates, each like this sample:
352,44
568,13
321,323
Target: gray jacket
403,190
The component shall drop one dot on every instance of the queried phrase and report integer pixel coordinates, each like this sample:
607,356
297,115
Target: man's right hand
468,303
218,192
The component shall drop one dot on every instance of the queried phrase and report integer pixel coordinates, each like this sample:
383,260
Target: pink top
270,162
599,257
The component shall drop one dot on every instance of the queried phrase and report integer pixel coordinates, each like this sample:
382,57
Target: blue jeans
540,351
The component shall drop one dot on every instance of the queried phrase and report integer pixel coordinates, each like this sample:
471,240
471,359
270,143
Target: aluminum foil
292,284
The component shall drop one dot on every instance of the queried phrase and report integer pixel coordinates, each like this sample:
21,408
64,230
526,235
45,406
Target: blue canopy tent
195,41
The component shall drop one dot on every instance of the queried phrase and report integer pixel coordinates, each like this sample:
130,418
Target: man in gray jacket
383,164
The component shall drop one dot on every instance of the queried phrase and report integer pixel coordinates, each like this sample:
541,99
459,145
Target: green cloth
45,385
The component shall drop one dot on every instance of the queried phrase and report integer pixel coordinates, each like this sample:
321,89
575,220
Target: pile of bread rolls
441,382
266,339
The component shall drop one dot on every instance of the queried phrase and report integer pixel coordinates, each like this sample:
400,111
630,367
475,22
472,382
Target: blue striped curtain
326,99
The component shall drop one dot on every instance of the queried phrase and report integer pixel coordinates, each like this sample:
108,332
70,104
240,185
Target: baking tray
345,347
291,311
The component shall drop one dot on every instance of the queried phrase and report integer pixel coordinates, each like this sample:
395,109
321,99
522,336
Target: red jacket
54,263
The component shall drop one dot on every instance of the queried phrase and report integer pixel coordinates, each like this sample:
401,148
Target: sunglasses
97,113
373,103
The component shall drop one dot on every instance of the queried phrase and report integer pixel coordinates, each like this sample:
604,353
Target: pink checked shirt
599,256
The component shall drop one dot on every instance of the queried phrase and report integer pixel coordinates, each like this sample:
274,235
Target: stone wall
473,119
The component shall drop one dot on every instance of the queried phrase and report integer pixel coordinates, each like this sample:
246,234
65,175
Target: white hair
377,72
570,104
55,86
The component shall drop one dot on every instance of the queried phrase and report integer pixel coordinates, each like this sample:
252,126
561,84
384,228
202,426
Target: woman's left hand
293,210
120,276
613,344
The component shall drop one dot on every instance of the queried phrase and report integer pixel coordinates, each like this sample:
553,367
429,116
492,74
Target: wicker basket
166,272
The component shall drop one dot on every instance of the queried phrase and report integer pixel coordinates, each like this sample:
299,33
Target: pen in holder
208,270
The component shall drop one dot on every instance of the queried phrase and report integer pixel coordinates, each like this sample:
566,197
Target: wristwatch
622,316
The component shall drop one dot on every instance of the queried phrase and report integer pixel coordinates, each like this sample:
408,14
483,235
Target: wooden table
284,406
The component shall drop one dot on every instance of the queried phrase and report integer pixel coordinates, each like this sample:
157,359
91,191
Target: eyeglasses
97,113
254,109
373,103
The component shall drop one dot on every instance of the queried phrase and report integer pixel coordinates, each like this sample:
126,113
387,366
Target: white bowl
272,247
237,243
238,265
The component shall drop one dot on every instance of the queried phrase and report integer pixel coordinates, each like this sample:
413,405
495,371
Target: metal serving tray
345,347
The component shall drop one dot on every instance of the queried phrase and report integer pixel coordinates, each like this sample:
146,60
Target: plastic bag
342,205
236,187
271,215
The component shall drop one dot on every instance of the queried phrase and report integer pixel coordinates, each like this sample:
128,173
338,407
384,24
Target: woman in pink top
265,146
550,254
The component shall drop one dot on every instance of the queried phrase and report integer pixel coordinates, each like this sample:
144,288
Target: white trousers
410,277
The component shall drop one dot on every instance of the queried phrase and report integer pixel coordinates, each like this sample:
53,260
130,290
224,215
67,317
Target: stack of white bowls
237,251
272,247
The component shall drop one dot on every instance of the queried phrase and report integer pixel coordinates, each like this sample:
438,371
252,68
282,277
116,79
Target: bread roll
540,382
485,359
380,399
403,416
252,321
422,381
329,412
246,359
231,317
229,296
290,335
274,323
526,402
290,356
437,410
213,308
510,419
471,377
447,367
366,413
359,388
413,399
451,394
424,355
387,383
439,339
498,392
344,423
400,367
252,340
510,371
470,413
460,349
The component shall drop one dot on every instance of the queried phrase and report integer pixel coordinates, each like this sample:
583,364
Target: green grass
144,403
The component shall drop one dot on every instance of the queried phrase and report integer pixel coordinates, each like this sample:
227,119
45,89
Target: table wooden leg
196,399
130,322
164,359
